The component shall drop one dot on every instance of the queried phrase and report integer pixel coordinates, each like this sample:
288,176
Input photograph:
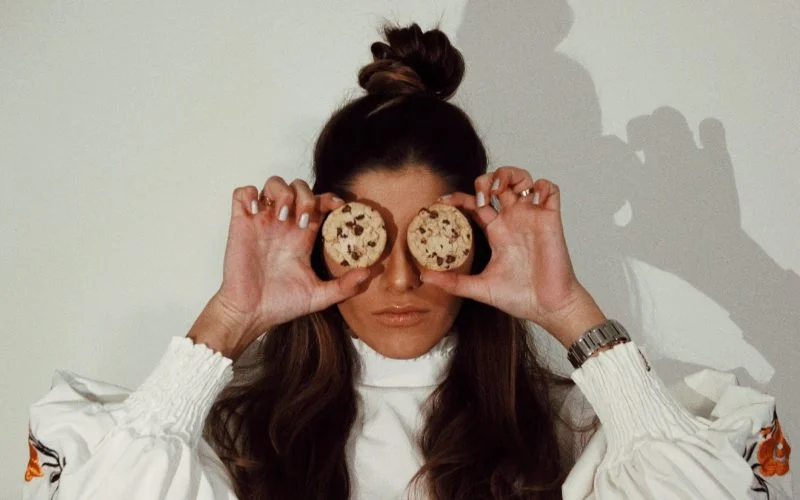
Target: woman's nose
402,271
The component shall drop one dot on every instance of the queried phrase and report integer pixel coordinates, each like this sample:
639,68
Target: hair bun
413,62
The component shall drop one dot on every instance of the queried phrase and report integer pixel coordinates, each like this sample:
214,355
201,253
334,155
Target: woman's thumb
343,287
462,285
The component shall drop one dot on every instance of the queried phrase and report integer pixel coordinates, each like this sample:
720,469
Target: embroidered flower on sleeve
51,460
773,450
768,452
34,469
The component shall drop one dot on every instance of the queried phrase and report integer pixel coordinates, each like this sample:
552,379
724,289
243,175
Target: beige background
125,126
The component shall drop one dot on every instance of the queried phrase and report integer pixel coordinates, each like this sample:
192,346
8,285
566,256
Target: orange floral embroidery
34,469
774,450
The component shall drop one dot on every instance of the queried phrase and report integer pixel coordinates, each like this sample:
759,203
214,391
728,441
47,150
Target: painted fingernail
495,184
494,201
481,200
536,197
253,207
284,213
445,196
303,221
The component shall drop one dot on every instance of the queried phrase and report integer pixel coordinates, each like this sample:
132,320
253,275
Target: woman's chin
402,343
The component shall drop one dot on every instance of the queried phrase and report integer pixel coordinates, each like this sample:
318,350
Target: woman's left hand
529,274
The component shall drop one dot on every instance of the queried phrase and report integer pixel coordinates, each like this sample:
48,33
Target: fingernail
444,197
303,221
536,197
495,184
336,199
284,213
495,202
253,207
481,199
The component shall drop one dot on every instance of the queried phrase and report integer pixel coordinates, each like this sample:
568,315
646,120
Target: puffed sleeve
94,440
705,437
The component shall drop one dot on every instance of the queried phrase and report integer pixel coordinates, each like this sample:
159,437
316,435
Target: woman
394,381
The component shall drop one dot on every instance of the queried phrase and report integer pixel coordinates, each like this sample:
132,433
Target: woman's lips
401,319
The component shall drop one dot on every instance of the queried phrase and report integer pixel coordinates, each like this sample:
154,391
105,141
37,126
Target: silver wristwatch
609,333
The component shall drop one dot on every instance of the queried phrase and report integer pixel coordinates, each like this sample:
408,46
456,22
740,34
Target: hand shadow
538,109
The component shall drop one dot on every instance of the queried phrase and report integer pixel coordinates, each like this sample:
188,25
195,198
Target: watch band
609,333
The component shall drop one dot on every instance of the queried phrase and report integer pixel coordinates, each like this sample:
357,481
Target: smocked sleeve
705,437
94,440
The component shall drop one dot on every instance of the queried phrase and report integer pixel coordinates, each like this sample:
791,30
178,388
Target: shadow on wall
538,109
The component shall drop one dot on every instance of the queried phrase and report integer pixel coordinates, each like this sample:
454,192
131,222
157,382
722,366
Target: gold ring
267,201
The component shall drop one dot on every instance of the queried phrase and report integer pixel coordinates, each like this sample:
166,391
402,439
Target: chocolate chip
347,209
424,241
345,263
355,255
339,232
466,252
358,230
439,260
445,222
359,217
349,223
371,243
434,214
450,259
421,230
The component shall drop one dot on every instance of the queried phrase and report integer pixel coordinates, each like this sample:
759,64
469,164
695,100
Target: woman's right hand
267,276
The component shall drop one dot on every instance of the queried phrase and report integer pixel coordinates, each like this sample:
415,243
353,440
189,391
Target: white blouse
705,438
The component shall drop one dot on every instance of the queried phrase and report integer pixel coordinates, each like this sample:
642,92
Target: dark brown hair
282,425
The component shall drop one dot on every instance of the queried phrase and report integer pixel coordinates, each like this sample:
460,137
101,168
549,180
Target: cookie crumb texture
354,235
440,237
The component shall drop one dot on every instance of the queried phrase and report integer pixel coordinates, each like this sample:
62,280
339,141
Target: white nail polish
481,200
494,201
536,198
336,199
304,221
284,213
446,196
495,184
253,207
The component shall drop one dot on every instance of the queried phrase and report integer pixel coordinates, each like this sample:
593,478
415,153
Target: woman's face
394,279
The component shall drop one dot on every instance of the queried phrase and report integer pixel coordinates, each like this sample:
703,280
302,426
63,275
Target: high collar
426,370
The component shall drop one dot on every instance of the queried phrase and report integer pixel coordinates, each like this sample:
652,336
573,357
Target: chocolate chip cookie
440,237
354,235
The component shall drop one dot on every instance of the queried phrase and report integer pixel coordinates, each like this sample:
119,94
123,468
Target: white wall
124,128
